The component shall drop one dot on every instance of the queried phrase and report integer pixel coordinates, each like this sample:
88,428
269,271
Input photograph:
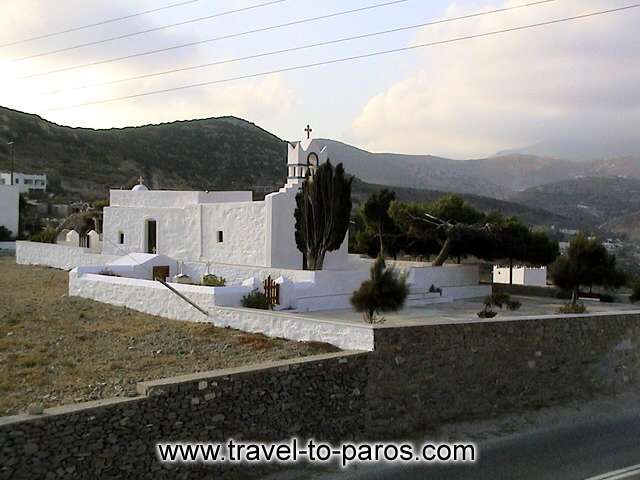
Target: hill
216,153
588,201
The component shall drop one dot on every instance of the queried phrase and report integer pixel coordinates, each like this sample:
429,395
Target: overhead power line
224,37
351,58
298,48
97,24
149,30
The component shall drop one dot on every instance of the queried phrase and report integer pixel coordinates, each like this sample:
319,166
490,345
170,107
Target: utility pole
11,145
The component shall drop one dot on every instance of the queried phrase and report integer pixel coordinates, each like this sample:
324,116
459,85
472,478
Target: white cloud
576,80
263,100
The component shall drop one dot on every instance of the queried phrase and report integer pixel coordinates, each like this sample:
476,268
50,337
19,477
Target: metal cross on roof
308,130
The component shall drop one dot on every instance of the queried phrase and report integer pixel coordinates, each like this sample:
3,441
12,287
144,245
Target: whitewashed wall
282,251
521,275
236,274
244,233
58,256
178,230
155,299
9,205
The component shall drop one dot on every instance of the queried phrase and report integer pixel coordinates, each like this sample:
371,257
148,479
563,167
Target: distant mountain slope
580,151
222,153
628,225
587,200
497,177
413,171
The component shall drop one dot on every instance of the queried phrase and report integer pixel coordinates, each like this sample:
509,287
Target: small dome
139,188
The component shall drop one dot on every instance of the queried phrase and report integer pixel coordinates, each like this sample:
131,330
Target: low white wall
236,274
445,276
58,256
155,299
521,275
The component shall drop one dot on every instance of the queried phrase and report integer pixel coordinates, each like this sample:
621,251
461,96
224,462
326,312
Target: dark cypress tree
323,213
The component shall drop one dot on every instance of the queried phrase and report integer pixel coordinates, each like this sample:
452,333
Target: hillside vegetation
588,200
217,153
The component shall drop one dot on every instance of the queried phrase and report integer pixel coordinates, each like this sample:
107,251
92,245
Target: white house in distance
25,182
216,227
534,276
9,208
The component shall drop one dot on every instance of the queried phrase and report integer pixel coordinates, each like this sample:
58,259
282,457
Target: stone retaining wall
318,397
425,375
416,378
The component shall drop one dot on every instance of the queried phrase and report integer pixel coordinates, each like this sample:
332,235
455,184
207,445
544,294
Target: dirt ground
55,349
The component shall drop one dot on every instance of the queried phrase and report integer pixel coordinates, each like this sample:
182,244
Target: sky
578,80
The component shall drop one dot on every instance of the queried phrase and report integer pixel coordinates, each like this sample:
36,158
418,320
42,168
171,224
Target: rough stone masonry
416,378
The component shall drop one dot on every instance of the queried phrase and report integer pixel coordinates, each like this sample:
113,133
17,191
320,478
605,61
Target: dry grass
55,349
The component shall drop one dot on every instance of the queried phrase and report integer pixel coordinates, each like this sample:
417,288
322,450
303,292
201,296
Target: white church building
216,227
180,237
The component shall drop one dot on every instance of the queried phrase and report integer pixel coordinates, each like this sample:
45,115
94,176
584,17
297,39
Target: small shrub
385,291
108,273
211,280
433,289
48,235
256,299
571,308
635,292
606,298
500,300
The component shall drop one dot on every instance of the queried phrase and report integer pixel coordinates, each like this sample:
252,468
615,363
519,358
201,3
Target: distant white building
26,183
521,275
9,208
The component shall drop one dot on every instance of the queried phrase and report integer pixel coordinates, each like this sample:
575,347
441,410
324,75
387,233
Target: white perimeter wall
155,299
521,275
58,256
9,204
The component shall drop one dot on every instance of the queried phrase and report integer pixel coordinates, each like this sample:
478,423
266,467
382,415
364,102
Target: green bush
211,280
571,308
500,300
5,234
635,292
385,291
256,299
606,298
48,235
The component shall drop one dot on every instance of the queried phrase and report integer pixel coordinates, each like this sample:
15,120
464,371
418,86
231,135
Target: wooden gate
160,273
272,291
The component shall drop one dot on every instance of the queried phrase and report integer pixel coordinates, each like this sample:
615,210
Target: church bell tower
305,156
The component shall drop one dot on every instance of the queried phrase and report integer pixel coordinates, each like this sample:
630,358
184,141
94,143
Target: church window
220,236
121,238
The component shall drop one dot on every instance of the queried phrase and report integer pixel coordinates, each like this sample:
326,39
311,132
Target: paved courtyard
466,310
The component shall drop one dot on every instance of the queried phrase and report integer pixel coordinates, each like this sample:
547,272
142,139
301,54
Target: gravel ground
55,349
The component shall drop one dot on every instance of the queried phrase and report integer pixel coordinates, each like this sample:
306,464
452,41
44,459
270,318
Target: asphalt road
576,452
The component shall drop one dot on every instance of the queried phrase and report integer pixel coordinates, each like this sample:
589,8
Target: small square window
220,236
121,238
